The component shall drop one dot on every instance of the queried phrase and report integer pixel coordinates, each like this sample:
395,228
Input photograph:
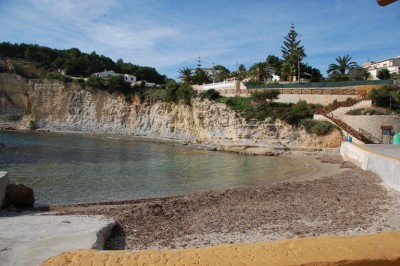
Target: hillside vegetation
75,62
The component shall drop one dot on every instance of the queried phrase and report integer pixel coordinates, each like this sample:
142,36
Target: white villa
391,64
110,73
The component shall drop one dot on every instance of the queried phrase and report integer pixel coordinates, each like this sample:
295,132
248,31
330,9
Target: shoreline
350,202
320,170
238,149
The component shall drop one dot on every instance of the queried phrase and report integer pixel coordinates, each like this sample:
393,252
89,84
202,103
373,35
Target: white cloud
172,34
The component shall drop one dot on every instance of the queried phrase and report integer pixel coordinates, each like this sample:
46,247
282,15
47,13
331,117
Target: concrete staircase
361,135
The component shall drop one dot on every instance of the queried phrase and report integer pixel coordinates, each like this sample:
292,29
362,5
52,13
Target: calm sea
72,168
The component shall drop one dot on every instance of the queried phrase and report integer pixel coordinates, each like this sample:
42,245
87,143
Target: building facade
391,64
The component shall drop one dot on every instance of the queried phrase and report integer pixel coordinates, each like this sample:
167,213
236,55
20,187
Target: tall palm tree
343,63
299,54
185,74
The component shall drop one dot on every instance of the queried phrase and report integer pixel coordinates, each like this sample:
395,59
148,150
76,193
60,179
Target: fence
320,84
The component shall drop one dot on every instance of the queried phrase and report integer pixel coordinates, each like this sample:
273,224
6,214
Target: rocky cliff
58,106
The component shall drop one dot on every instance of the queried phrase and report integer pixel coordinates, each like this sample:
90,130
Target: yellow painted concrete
377,249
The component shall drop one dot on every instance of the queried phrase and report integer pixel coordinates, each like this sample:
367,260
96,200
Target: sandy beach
336,198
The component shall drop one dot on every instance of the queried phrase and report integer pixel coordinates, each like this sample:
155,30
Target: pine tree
292,53
290,44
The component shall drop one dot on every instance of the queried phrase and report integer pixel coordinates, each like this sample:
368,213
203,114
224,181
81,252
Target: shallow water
71,168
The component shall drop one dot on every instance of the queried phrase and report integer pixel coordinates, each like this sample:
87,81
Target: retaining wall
386,166
323,99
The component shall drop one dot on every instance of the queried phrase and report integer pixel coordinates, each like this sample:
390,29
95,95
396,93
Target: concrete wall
4,181
387,167
313,98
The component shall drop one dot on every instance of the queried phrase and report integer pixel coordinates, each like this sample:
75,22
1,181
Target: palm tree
299,54
261,71
185,74
343,63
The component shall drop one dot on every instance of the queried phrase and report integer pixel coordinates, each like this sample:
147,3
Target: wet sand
335,199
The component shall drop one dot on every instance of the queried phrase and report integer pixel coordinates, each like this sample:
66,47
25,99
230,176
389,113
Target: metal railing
370,136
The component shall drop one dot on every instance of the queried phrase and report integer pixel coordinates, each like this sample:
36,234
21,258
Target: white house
105,74
391,64
129,78
109,73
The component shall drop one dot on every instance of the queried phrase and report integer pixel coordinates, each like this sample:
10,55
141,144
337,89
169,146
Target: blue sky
170,35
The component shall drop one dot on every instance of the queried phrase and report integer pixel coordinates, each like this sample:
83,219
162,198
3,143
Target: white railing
220,85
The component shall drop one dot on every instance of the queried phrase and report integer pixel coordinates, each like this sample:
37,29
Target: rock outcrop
57,106
4,182
19,195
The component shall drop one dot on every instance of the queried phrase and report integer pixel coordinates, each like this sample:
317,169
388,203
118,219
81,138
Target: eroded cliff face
60,106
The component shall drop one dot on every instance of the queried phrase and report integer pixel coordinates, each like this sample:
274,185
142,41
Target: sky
171,35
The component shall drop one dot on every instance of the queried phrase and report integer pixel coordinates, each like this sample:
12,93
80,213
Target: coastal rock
4,182
57,106
19,195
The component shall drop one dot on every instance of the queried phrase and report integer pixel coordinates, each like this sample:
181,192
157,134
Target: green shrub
59,77
238,103
387,96
375,112
358,111
261,96
316,127
179,92
80,81
96,82
299,111
20,70
185,93
117,83
154,95
211,94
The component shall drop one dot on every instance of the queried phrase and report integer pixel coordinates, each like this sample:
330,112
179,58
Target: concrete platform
373,250
392,151
29,238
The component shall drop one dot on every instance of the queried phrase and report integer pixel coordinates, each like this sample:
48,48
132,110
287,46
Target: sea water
75,168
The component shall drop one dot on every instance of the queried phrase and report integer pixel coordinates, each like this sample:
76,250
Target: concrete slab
384,149
30,238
